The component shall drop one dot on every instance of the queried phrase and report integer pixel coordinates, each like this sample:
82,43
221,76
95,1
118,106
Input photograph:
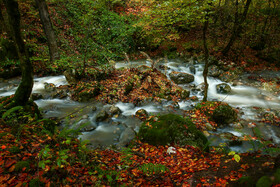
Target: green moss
277,176
246,182
224,114
22,164
169,129
264,181
49,125
14,150
36,183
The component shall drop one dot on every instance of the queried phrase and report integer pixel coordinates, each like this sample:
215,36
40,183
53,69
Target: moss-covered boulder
172,129
264,181
224,115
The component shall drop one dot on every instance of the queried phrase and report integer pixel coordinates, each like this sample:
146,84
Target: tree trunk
237,28
2,23
25,87
48,29
206,54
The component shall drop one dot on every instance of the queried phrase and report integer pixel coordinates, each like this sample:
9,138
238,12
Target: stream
119,129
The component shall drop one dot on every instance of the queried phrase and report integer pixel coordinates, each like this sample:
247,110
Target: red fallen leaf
3,147
4,178
19,184
9,163
11,169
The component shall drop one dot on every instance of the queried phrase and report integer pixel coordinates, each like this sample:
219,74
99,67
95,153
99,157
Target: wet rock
237,125
93,108
143,68
223,88
113,110
71,76
224,115
214,71
102,116
127,135
209,127
206,133
173,104
89,127
200,87
185,94
36,96
194,98
192,69
61,94
163,67
88,95
181,78
85,116
142,114
50,87
227,136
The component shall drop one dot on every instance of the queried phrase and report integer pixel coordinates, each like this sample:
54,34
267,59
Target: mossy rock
246,181
22,164
36,183
49,125
224,114
277,176
172,129
264,181
14,150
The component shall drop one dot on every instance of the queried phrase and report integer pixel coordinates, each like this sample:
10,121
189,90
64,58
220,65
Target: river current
245,98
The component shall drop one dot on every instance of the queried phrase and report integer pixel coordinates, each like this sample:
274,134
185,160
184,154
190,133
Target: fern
10,111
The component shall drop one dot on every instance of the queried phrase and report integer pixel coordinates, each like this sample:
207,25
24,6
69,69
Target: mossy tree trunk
48,29
2,23
25,87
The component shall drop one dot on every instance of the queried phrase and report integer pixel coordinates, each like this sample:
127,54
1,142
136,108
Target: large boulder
127,135
223,88
181,78
71,76
172,129
102,116
214,71
224,115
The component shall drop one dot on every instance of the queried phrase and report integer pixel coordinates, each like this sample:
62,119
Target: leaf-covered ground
31,155
22,155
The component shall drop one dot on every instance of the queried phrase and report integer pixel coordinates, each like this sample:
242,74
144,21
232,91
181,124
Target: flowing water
106,133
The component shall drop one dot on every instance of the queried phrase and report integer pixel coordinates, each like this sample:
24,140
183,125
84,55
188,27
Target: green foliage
262,144
150,169
171,128
110,176
45,156
48,125
11,111
235,156
100,33
166,19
